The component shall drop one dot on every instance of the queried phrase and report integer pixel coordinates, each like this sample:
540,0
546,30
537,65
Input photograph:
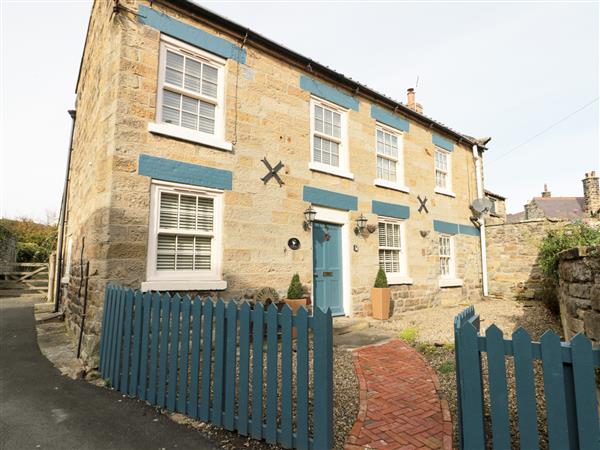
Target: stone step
345,325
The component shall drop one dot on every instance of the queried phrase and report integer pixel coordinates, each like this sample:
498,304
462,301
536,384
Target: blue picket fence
568,381
207,360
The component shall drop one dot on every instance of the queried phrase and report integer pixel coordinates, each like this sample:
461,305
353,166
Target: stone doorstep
345,325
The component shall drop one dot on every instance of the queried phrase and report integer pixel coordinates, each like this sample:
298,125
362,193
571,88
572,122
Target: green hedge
572,235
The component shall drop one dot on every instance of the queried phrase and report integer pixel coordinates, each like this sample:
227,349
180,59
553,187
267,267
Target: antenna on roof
417,82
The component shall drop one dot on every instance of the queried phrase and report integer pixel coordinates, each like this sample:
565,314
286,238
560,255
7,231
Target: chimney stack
546,193
591,194
410,101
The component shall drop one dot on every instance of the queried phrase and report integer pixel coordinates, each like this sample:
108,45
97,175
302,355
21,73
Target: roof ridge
209,14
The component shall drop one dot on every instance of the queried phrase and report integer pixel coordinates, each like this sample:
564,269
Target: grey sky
486,69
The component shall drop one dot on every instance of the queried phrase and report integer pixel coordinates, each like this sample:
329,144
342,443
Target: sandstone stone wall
267,114
579,292
8,249
512,257
90,175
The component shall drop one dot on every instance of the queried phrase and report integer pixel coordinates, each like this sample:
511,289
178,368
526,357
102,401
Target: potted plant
380,297
295,294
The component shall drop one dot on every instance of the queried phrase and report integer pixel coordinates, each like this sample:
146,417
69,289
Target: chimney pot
591,194
546,192
410,98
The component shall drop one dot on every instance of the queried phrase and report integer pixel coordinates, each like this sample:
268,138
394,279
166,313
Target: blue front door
327,267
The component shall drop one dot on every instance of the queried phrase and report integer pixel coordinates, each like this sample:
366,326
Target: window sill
390,185
450,282
184,285
399,279
167,129
443,192
318,167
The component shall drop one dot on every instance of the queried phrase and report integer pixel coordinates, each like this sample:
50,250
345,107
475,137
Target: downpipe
62,221
481,221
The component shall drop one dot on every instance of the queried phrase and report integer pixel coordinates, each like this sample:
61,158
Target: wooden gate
568,380
18,279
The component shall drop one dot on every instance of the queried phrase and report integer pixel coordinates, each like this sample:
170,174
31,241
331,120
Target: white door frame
337,217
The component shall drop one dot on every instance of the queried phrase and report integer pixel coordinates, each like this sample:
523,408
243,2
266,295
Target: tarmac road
41,409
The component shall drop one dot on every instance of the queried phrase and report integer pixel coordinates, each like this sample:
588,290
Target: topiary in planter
381,279
380,296
295,291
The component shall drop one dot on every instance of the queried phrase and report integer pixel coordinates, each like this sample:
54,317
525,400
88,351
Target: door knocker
326,235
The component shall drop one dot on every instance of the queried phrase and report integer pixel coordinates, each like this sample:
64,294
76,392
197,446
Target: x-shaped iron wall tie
423,204
272,172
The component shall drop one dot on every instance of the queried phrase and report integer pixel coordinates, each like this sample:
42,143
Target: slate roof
493,194
325,71
554,208
561,207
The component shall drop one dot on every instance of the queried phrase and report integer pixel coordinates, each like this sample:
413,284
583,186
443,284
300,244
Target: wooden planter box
380,299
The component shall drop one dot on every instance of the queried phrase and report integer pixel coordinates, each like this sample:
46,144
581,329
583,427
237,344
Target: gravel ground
431,333
345,409
435,325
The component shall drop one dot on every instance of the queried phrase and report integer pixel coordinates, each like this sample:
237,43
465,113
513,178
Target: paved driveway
39,408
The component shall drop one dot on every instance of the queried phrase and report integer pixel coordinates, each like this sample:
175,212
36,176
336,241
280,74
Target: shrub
295,291
35,241
571,235
409,335
26,251
381,280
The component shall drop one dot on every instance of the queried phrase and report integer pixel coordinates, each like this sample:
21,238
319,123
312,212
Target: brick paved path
399,404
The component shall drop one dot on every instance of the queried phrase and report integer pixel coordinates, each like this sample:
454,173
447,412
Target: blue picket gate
568,380
207,360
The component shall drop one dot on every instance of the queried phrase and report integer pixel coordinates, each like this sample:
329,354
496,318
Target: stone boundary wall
579,292
8,249
512,256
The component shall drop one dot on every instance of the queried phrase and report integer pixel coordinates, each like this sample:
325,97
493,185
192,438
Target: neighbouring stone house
513,247
498,211
180,116
569,208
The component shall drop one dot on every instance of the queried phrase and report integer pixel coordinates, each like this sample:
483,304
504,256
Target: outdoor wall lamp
309,218
361,224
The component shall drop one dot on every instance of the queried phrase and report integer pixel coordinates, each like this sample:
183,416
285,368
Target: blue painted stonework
454,228
389,118
445,227
330,199
329,93
190,34
468,229
390,210
444,143
185,173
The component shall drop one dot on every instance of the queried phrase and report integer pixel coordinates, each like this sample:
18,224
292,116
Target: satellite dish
481,205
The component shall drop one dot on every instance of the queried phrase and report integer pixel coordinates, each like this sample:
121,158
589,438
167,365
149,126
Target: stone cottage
549,207
208,159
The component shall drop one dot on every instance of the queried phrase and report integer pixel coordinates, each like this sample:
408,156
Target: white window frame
399,184
402,276
343,170
449,279
189,279
216,140
448,189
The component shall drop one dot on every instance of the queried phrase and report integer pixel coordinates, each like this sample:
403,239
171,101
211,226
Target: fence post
323,384
471,389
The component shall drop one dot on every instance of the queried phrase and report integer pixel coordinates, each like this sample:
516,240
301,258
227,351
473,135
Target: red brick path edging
399,403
